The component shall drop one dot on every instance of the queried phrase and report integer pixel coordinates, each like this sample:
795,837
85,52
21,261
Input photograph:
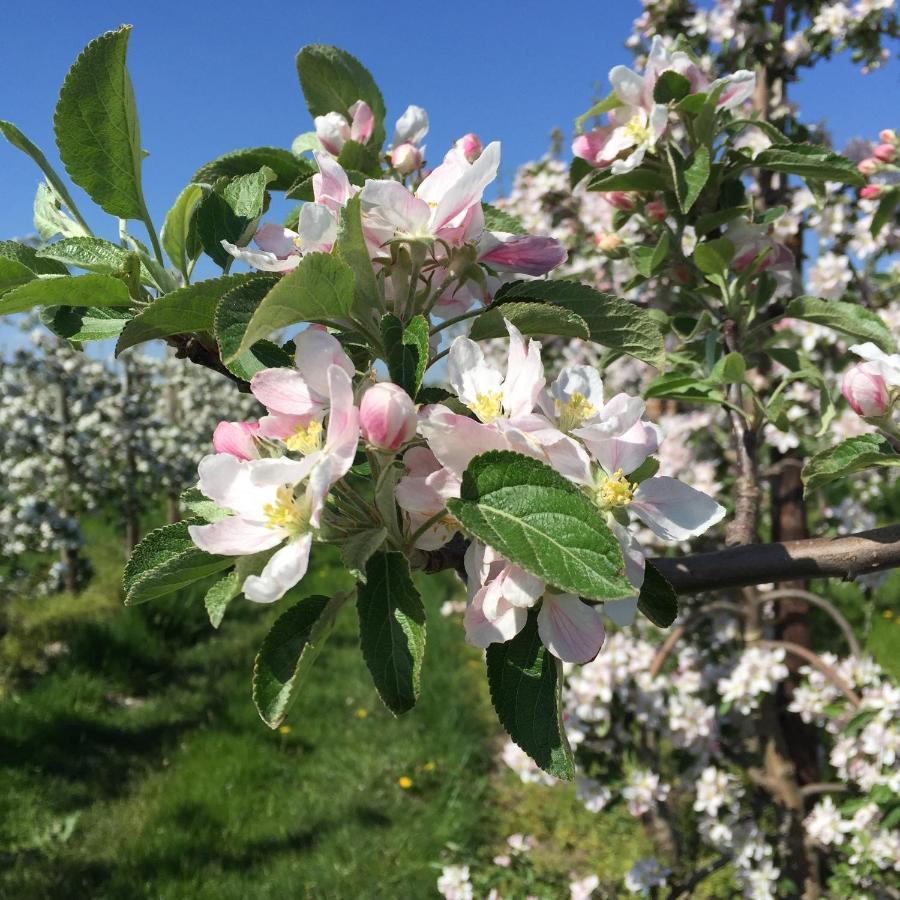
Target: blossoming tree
536,486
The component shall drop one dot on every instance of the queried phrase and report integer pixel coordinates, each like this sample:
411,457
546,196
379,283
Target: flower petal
234,536
285,391
481,631
673,510
570,629
281,572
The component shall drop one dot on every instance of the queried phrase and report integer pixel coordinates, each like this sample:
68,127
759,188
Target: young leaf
853,455
332,81
809,161
82,290
97,129
611,321
233,313
657,600
729,369
647,260
847,318
80,325
91,254
609,102
13,274
179,231
406,351
529,318
636,180
50,219
288,652
189,309
690,181
350,246
392,630
714,257
500,220
28,257
670,85
321,288
890,198
285,165
358,547
525,680
534,517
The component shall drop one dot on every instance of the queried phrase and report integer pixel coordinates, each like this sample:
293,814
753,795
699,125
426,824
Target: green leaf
714,257
853,455
230,212
710,221
50,219
13,274
675,386
729,369
167,560
356,157
609,102
526,686
406,351
91,254
658,600
350,246
232,316
80,325
500,220
29,258
392,630
332,81
179,231
81,290
286,166
809,161
288,652
57,185
358,547
306,143
647,260
636,180
535,517
97,129
198,506
890,198
219,596
189,309
529,318
320,289
611,321
847,318
671,85
690,181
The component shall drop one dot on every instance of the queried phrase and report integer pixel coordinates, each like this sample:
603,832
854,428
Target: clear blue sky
216,76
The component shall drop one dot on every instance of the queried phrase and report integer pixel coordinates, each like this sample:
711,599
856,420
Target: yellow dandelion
405,782
284,729
361,713
429,766
888,614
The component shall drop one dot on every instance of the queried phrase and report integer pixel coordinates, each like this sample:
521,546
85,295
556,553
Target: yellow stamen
286,512
639,130
487,406
574,412
615,491
296,242
306,439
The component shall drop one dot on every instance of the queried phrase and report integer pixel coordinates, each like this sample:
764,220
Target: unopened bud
608,243
887,136
470,146
406,158
869,166
656,210
387,416
870,192
620,200
885,152
866,391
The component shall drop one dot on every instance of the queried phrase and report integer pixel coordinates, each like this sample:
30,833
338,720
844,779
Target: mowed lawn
133,763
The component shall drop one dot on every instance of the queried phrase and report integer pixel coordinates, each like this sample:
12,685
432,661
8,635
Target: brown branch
188,347
823,604
675,635
812,790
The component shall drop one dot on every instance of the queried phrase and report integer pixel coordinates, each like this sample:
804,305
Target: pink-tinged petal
361,122
627,451
276,239
673,510
524,374
317,227
481,631
285,569
342,437
534,436
236,438
333,131
628,85
331,187
570,629
260,259
227,480
317,350
468,373
738,88
589,147
411,127
631,162
456,440
619,141
513,586
280,427
389,208
621,612
436,184
466,191
523,253
234,536
285,391
613,418
632,553
277,471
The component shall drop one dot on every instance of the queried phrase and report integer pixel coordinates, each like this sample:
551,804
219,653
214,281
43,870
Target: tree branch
188,347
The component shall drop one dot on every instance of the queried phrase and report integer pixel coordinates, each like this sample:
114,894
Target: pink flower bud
870,192
869,166
470,146
866,391
620,199
885,152
656,210
608,243
589,147
236,438
406,158
387,416
887,136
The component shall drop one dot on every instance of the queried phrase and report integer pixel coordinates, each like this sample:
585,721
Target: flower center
487,406
615,491
296,242
639,130
305,439
574,412
287,512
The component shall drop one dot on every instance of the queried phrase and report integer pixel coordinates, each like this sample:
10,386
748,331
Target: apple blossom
333,130
869,166
411,127
237,438
886,153
866,391
470,146
754,245
589,147
870,192
387,416
422,494
406,158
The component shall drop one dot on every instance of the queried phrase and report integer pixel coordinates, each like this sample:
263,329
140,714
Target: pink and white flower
387,416
422,493
237,438
334,130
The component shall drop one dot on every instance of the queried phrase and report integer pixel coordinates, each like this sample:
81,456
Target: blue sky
212,77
